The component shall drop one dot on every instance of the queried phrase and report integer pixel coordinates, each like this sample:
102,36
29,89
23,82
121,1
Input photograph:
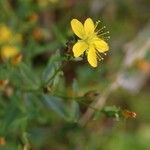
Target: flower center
89,39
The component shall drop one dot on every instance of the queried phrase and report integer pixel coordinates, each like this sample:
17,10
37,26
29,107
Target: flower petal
92,56
101,45
79,48
78,28
89,26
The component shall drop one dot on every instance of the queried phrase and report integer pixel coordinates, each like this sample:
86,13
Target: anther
101,30
105,33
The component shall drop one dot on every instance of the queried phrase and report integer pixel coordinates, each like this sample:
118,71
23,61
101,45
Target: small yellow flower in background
90,41
8,36
5,33
7,52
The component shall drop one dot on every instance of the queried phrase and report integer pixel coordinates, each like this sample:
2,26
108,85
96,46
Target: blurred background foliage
44,92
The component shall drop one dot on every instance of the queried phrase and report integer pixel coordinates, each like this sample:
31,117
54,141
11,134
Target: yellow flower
5,34
7,52
90,42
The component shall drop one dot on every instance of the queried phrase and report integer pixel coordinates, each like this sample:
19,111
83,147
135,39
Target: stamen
104,33
105,37
97,22
99,57
104,27
104,53
101,30
108,37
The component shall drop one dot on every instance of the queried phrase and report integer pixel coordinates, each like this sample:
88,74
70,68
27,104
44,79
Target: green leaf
35,48
29,79
20,123
74,111
5,71
57,105
111,111
75,87
97,115
51,69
